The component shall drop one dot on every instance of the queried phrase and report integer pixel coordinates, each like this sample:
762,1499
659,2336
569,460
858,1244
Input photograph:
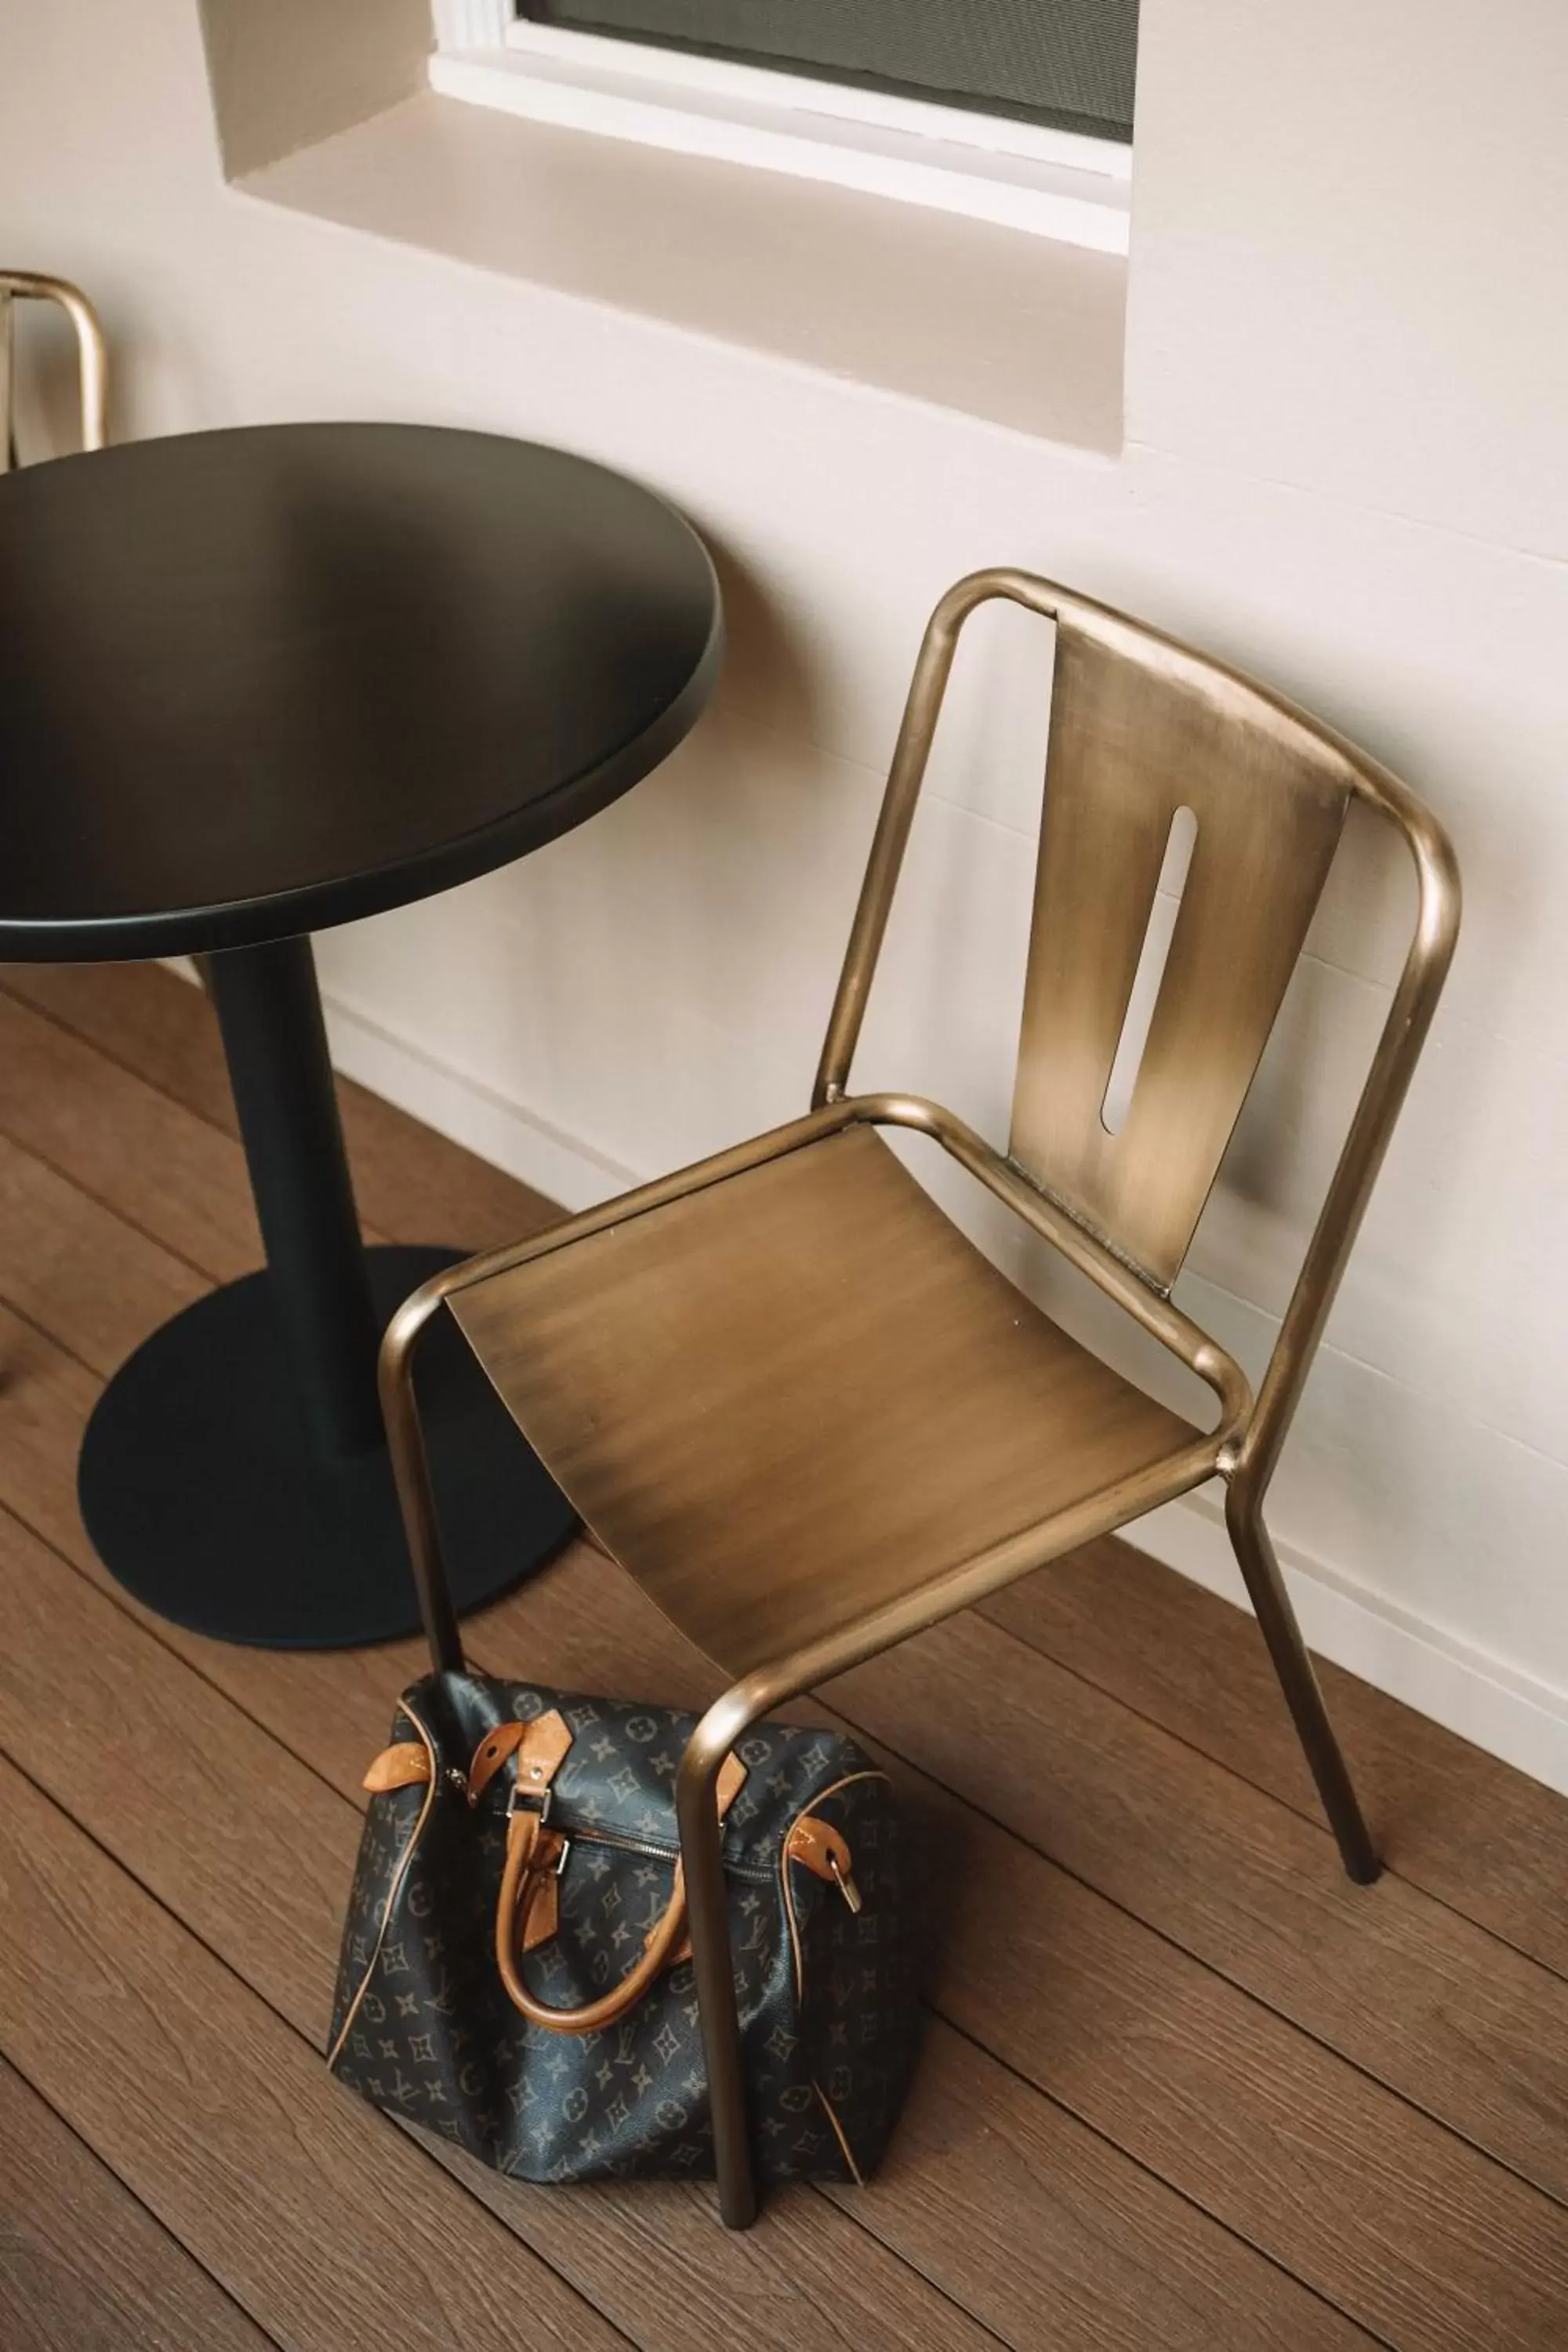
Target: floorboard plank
1049,2231
1423,2000
327,2225
150,1020
78,1270
1450,1818
83,2266
125,1145
414,1185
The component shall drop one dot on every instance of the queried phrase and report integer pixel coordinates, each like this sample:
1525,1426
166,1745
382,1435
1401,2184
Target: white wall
1346,391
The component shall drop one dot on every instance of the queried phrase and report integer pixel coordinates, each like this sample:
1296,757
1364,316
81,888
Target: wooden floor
1182,2085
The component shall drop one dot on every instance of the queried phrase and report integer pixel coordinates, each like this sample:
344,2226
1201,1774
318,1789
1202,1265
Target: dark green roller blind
1067,63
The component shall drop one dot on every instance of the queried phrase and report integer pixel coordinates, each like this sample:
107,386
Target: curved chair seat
789,1399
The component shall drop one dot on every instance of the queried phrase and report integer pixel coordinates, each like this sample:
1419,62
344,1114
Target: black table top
259,681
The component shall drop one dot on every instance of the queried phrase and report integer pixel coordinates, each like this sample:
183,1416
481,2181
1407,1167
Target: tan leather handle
532,1852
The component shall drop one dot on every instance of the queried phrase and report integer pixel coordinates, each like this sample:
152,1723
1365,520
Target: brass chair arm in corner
92,364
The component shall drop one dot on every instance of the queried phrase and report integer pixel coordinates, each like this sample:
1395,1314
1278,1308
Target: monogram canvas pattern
423,2026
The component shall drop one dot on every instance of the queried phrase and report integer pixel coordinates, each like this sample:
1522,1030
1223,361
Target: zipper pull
821,1848
845,1882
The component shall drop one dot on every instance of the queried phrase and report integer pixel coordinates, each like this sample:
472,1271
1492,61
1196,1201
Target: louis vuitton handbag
515,1974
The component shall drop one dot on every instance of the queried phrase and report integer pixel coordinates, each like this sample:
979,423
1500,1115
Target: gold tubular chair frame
92,364
1243,1448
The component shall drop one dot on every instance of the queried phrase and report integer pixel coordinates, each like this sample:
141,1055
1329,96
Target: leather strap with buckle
526,1911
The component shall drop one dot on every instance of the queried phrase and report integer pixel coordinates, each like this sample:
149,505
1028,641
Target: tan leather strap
402,1766
820,1847
533,1856
541,1748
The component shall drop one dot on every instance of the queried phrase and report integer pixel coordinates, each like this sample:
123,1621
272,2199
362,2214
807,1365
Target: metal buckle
523,1798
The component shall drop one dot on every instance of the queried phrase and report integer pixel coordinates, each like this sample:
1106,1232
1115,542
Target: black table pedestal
234,1475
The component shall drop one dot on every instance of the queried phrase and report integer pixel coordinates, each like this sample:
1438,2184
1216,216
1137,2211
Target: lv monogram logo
442,1998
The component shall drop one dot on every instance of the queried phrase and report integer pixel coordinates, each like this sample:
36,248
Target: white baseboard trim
1483,1699
1456,1682
498,1129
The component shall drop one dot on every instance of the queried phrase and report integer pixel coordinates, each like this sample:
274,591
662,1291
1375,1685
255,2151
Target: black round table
253,683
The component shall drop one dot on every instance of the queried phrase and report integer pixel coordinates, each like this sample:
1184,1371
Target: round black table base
204,1500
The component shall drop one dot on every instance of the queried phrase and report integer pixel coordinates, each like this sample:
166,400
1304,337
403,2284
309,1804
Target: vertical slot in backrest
1150,972
1139,731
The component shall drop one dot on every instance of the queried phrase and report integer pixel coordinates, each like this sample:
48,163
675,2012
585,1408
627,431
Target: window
1066,63
1016,112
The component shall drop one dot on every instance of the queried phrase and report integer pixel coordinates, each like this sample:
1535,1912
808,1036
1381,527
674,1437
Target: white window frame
1019,175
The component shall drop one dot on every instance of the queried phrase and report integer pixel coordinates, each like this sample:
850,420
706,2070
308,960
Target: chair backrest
27,285
1141,729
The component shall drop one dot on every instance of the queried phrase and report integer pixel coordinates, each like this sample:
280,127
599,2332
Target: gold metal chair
800,1408
92,370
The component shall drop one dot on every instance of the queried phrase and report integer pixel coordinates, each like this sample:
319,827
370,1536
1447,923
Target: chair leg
701,1843
1265,1586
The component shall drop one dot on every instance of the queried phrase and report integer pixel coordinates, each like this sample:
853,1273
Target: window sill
1010,327
987,167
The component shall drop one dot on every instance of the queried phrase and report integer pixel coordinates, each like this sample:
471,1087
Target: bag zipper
671,1853
757,1872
